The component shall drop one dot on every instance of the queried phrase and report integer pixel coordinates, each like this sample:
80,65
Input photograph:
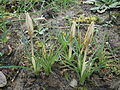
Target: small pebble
73,83
3,80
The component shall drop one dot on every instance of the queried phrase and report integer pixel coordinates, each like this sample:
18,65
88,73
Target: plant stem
32,51
84,59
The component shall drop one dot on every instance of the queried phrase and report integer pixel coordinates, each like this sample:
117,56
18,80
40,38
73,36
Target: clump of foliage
45,57
103,5
85,19
56,5
76,53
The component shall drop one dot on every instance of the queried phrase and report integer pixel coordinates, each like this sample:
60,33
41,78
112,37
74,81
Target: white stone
73,83
3,80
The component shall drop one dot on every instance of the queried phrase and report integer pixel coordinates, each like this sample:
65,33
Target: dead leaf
29,24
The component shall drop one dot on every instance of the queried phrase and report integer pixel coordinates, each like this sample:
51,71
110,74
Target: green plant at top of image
64,3
103,5
19,6
57,5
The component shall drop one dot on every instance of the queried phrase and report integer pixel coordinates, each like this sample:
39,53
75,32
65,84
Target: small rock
73,83
3,80
115,85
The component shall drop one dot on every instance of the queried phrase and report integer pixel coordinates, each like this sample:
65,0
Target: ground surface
21,79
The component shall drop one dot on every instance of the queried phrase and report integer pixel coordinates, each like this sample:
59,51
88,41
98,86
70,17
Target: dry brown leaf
29,24
87,40
73,29
88,36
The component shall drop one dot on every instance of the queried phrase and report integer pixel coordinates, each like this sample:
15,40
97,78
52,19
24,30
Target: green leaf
95,8
23,67
98,3
1,54
114,5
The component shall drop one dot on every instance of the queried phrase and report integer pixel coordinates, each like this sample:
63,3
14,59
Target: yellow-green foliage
2,8
85,19
39,44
